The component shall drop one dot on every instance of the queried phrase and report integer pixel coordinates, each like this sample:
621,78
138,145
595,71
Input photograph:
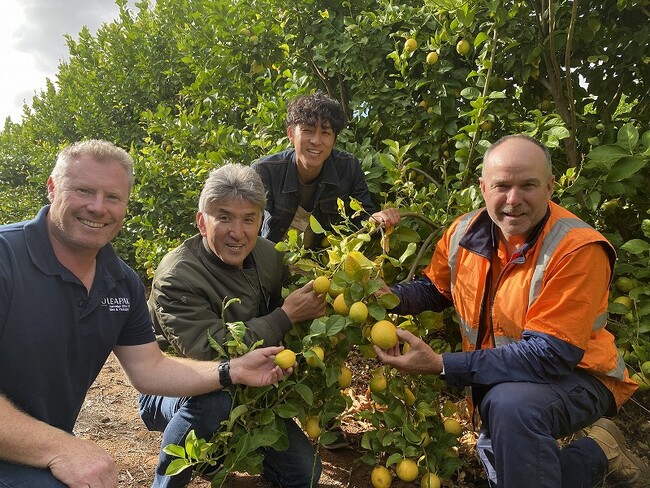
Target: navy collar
482,236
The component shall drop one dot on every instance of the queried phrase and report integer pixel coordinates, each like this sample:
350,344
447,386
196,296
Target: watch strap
224,373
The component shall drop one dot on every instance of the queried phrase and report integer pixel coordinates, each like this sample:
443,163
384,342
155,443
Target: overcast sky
32,44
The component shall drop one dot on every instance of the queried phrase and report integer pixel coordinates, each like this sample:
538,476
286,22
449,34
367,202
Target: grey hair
525,137
232,181
99,150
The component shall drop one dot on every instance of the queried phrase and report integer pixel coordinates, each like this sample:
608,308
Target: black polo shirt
54,335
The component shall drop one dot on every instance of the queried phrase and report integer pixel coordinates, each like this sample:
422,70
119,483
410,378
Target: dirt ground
110,418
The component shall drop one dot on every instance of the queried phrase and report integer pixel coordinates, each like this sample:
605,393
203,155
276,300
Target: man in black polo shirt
66,302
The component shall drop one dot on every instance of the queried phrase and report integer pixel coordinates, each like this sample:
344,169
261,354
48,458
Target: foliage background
188,84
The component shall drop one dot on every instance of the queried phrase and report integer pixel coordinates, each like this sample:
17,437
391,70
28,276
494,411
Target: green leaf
628,137
315,225
470,93
480,38
176,466
560,132
636,246
174,450
305,393
237,412
607,153
286,411
626,167
388,300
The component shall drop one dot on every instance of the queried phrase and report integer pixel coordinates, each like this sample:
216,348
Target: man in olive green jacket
225,260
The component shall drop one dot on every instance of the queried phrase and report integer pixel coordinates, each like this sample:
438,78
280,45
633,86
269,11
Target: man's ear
290,133
200,223
50,189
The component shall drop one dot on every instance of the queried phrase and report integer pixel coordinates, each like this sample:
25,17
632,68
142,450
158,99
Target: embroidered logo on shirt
121,304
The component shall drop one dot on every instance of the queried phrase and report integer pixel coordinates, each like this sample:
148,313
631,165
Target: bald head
519,140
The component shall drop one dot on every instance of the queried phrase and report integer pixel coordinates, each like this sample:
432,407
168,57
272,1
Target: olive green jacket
191,284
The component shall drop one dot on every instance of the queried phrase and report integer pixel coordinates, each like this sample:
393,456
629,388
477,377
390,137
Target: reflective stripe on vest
454,247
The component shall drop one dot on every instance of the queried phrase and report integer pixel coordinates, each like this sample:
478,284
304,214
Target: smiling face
313,145
516,186
230,229
88,205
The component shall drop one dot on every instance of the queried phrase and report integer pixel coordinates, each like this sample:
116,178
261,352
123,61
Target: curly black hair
315,108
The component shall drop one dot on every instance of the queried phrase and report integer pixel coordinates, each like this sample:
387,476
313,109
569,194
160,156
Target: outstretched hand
304,304
256,368
420,358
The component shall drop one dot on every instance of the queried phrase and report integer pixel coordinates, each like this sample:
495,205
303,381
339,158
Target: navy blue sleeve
419,295
536,358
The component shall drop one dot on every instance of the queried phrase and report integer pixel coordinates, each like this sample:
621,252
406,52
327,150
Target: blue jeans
176,417
18,476
521,422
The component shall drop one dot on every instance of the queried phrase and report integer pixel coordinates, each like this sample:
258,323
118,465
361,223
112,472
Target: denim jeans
521,422
176,417
18,476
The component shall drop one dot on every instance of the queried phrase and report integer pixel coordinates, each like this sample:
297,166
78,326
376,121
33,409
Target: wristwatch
224,373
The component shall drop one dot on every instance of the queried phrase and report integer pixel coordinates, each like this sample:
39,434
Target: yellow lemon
321,284
378,383
285,359
432,57
383,334
410,45
345,377
430,480
311,360
453,427
358,312
313,428
340,307
624,284
407,470
381,477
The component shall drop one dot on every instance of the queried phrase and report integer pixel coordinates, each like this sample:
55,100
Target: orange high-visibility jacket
556,284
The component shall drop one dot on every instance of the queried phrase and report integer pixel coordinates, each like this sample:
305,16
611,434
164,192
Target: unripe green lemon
462,47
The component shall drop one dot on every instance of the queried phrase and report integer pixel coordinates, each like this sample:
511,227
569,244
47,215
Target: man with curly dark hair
309,178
